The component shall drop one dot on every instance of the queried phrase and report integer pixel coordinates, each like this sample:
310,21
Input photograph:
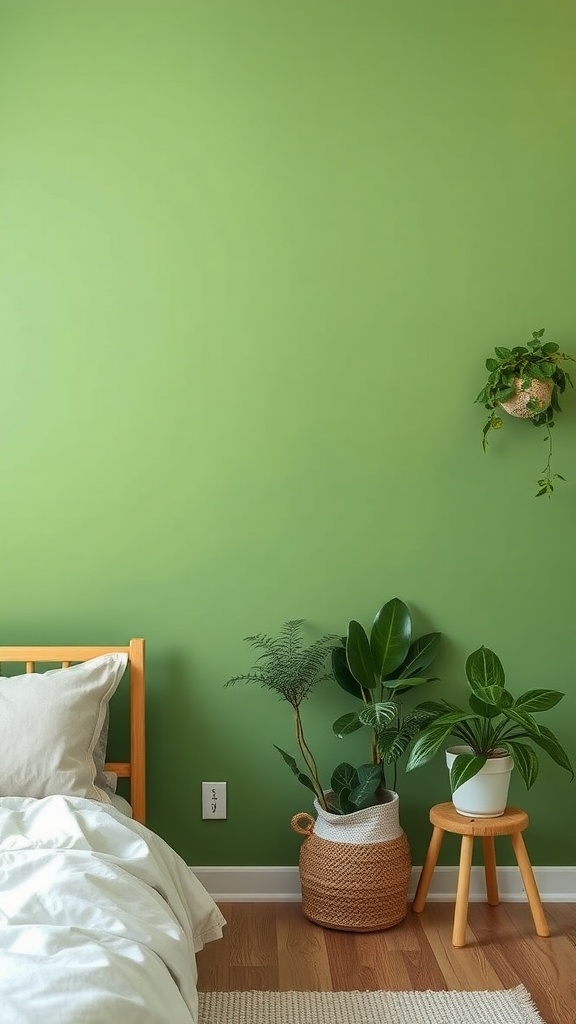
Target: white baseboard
282,885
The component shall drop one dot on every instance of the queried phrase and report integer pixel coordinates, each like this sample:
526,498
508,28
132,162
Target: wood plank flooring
272,946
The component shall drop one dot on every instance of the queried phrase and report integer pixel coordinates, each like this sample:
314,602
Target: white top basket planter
354,868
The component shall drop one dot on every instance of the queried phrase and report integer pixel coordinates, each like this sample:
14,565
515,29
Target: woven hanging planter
518,405
354,868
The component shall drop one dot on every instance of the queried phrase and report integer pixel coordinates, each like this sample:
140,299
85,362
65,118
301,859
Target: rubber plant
527,381
494,723
377,669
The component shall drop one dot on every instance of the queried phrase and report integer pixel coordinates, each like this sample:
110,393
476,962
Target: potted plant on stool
493,735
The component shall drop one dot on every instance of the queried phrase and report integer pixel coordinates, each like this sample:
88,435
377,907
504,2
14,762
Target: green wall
253,257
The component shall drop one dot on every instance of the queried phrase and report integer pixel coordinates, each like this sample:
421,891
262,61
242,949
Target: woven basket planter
354,868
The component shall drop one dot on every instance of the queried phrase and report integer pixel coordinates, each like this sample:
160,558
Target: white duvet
100,919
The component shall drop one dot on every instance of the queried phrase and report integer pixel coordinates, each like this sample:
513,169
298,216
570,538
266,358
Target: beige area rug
513,1006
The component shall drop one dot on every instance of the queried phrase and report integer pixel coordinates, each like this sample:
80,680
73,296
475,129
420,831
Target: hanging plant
526,381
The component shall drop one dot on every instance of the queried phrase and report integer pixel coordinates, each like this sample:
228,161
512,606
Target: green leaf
502,352
427,745
525,720
492,364
484,668
378,714
369,779
359,657
553,748
480,707
345,803
420,655
497,696
549,348
342,673
291,762
347,723
406,684
538,700
390,637
391,743
465,767
525,760
343,777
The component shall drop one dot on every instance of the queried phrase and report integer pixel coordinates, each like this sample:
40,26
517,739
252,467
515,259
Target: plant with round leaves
514,370
495,723
378,669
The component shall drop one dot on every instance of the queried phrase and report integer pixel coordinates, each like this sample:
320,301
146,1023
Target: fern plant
292,671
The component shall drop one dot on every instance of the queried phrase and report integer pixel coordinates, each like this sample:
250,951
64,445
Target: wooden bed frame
135,768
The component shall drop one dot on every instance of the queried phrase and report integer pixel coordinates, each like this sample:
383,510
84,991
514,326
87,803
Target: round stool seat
446,817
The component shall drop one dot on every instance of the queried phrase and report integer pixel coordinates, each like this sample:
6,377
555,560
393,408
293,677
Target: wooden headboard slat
135,769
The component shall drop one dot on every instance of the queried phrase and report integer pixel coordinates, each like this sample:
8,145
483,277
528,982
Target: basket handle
309,826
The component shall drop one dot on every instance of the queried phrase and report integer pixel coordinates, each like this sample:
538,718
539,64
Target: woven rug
513,1006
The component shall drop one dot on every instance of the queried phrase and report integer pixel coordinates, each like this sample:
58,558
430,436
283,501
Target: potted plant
498,732
526,381
355,862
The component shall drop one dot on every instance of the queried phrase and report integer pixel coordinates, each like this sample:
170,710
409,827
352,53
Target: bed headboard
135,768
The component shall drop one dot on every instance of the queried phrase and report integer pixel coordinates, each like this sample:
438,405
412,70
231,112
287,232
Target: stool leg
428,870
462,892
530,884
490,871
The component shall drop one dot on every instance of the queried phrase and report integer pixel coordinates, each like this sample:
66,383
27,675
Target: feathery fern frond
285,665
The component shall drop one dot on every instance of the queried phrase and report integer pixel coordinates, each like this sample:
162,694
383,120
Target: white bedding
100,919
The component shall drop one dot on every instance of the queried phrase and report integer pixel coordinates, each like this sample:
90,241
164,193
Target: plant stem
547,467
308,757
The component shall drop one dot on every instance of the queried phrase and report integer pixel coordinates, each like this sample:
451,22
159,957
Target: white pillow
49,725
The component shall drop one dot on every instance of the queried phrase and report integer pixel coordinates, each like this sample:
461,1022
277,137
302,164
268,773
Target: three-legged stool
445,818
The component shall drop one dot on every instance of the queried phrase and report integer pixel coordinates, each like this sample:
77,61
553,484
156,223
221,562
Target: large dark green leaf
465,767
369,779
538,700
290,761
525,760
359,656
420,655
342,673
390,637
484,668
427,745
553,747
343,777
350,722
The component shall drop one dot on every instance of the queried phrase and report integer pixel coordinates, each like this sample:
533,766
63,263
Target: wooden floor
272,946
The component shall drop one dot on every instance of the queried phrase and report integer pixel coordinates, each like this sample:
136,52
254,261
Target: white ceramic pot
540,390
486,794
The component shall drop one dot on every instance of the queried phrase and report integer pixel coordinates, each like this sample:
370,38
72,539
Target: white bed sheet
100,919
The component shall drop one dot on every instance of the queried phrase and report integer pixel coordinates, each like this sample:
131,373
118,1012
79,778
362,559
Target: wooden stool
445,818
